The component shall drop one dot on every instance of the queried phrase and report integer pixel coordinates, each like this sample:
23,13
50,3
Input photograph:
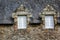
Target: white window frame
49,22
22,22
15,16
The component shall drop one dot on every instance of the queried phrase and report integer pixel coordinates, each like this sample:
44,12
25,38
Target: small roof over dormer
22,8
49,8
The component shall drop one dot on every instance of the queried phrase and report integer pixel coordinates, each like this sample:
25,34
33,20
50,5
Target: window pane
22,22
49,22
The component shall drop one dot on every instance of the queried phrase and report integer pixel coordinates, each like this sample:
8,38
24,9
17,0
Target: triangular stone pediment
48,8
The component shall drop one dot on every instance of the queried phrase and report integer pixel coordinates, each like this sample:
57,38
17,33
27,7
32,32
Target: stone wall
31,33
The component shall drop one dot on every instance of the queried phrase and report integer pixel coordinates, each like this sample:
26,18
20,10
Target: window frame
19,22
53,24
22,13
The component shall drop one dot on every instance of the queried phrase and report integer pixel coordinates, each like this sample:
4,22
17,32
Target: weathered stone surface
31,33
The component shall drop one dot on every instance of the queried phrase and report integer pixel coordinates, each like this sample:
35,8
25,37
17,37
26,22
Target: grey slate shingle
7,7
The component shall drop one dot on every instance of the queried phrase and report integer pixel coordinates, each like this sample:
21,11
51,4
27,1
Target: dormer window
49,17
21,18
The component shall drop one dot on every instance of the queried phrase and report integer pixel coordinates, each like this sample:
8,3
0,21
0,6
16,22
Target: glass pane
49,22
22,22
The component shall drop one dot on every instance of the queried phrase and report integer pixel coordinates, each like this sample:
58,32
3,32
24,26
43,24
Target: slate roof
7,7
